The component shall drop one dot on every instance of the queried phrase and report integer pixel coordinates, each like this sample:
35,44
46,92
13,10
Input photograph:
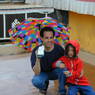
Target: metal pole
4,24
25,15
46,14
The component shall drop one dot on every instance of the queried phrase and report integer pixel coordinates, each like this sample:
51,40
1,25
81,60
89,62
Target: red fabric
75,66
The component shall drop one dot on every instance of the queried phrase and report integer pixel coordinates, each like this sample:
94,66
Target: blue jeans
86,90
41,81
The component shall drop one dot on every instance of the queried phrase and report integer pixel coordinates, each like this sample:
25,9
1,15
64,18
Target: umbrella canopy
26,33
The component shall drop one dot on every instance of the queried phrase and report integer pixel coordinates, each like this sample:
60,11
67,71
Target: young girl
74,70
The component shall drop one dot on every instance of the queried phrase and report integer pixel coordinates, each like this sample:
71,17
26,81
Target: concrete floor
16,75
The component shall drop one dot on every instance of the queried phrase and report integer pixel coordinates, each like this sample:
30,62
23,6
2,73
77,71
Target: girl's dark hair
46,29
67,50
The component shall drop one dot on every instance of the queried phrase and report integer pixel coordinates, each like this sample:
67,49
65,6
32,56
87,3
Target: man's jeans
41,81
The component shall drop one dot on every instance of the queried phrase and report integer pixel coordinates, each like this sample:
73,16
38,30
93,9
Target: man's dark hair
46,29
67,50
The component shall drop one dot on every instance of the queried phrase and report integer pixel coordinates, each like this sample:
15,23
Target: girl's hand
62,65
67,73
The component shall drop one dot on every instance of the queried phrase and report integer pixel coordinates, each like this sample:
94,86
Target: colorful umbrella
26,33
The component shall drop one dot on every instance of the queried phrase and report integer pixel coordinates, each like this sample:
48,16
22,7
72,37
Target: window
1,26
10,18
4,1
62,16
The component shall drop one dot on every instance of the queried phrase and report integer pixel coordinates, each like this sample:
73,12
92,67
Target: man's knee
36,81
39,81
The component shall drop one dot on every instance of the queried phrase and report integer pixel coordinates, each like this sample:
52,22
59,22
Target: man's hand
37,67
36,70
40,52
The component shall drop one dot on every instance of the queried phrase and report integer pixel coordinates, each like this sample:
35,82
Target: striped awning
79,6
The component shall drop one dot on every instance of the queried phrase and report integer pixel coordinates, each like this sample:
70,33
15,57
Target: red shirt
75,66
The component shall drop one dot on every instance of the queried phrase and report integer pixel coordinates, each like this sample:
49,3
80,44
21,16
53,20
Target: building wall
83,29
80,6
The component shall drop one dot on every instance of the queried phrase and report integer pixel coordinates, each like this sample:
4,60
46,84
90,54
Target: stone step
10,49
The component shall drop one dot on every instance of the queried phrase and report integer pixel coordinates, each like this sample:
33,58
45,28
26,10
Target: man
43,67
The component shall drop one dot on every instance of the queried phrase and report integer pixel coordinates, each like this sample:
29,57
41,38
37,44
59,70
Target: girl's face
71,52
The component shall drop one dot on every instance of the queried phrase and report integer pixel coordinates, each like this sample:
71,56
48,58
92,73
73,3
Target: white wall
82,7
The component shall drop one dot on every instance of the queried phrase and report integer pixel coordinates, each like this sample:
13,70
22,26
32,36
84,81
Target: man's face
48,39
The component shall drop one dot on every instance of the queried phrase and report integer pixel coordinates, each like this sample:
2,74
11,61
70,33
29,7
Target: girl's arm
79,70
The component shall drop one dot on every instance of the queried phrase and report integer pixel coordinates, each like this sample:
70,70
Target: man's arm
35,62
59,63
36,67
61,51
